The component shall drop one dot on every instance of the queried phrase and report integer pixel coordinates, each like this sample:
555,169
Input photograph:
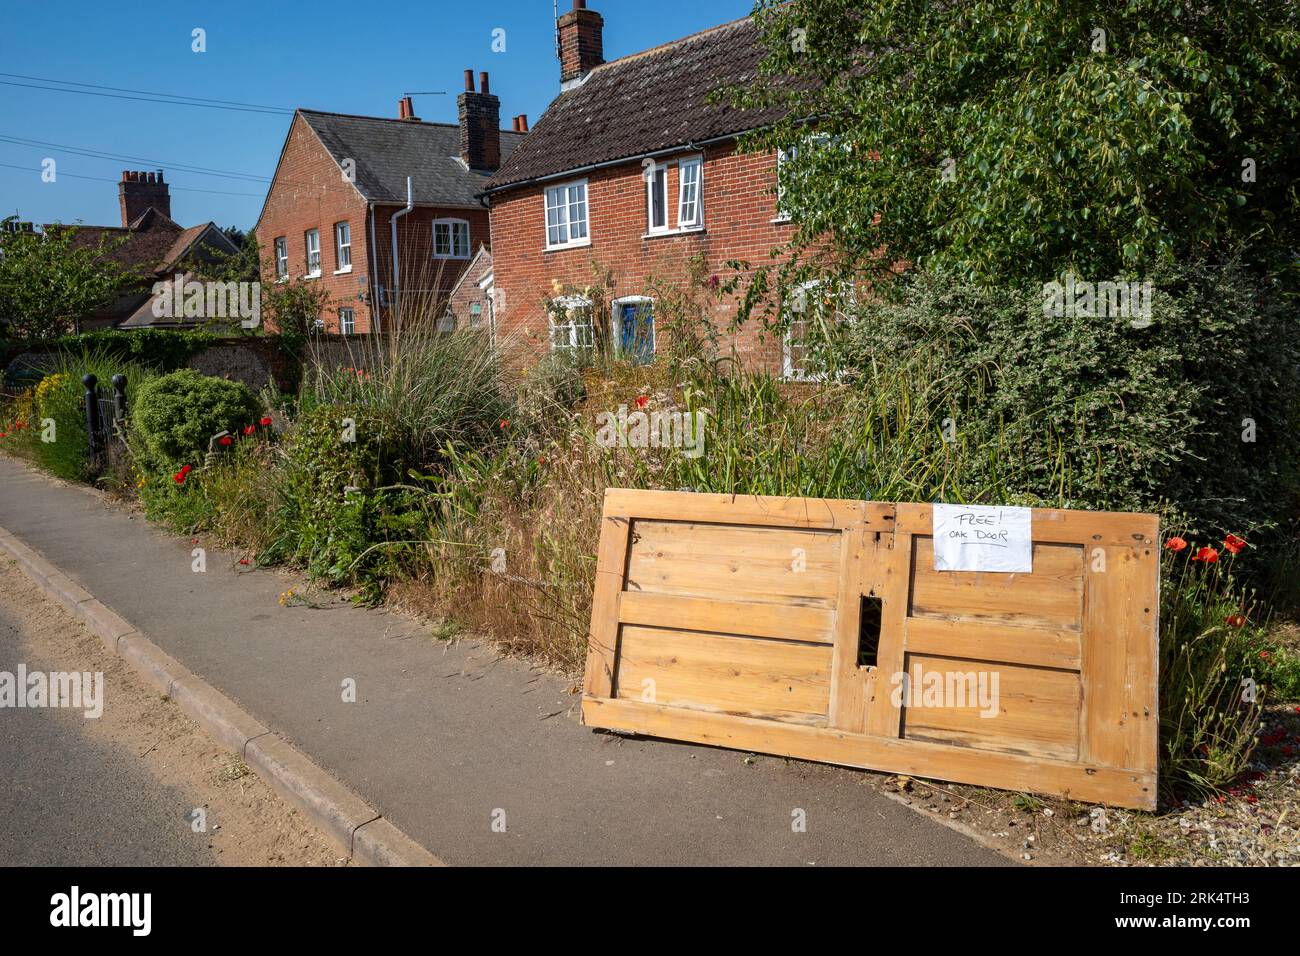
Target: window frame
573,345
788,370
697,222
661,185
451,223
281,246
564,207
306,239
616,322
341,247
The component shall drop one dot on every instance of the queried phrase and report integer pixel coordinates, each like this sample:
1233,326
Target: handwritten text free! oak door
820,629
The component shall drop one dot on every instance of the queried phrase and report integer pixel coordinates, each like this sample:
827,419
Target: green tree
1012,140
49,282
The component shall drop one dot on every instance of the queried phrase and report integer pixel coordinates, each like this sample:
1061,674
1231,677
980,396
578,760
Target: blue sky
353,57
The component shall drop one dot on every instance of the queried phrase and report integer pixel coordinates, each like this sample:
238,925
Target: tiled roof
386,151
154,243
644,103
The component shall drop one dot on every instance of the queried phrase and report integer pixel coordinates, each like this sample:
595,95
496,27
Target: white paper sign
982,538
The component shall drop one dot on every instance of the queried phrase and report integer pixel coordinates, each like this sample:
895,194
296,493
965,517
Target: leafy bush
1144,416
175,415
331,514
164,350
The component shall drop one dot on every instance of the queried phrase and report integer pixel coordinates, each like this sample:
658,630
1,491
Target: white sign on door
982,538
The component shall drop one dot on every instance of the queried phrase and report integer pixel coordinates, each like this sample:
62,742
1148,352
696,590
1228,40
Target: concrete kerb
347,820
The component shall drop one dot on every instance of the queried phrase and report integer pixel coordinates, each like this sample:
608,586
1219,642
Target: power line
100,154
119,96
101,179
120,89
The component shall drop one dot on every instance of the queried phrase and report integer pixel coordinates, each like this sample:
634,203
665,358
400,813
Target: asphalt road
121,789
67,799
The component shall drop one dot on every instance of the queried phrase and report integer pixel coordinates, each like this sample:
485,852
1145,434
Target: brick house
629,175
340,194
149,242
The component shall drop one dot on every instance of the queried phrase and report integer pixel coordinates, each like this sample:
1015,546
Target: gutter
410,204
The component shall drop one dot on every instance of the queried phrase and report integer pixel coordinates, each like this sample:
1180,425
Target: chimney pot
141,189
523,122
483,82
580,4
469,81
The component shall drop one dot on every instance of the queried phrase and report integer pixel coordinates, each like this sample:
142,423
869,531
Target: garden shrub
175,415
332,514
1199,411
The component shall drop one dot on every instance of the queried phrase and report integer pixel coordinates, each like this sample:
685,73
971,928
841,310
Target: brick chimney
520,123
582,47
138,191
480,124
406,110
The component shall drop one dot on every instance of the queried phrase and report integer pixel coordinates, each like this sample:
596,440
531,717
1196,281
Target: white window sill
311,275
344,271
781,221
280,279
688,231
581,243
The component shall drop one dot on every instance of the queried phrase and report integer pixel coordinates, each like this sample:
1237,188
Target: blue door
636,339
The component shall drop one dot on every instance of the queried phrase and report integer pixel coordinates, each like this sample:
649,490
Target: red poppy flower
503,423
186,469
243,560
19,426
541,460
642,401
1235,620
265,422
225,440
1233,544
1264,655
1208,555
249,429
180,477
2,434
1175,544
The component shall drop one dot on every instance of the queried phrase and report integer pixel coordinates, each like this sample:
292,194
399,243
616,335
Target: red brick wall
739,209
309,192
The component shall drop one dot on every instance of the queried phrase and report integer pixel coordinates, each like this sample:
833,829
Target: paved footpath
448,740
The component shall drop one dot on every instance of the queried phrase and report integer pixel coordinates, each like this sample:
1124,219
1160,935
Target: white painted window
690,207
814,313
571,326
656,184
281,258
450,239
347,321
785,159
312,237
566,215
343,246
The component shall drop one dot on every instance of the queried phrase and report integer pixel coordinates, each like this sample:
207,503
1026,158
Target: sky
346,57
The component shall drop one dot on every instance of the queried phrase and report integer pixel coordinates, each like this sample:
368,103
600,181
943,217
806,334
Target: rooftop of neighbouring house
153,243
643,103
386,151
